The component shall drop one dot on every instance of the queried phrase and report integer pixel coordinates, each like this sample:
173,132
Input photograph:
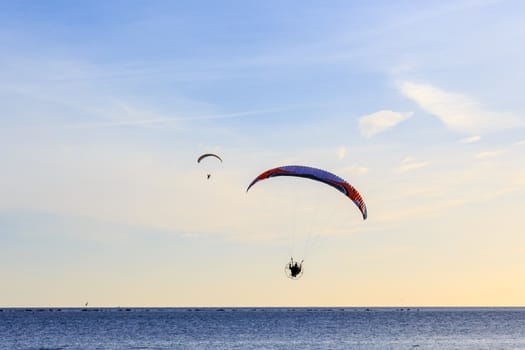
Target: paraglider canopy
205,155
316,174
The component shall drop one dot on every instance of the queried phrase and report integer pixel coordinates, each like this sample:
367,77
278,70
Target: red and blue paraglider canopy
317,175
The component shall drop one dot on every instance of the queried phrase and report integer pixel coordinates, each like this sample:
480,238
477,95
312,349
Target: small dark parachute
209,167
205,155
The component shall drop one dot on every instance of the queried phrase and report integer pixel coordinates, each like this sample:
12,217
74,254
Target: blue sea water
262,328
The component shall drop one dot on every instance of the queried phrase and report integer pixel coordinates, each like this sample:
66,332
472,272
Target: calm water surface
263,328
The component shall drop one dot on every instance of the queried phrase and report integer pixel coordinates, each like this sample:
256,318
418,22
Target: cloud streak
341,153
489,154
161,120
356,169
410,164
380,121
456,111
471,139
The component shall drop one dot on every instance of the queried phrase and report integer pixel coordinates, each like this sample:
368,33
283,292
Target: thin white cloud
150,121
488,154
471,139
341,153
409,163
377,122
520,143
355,169
457,111
412,166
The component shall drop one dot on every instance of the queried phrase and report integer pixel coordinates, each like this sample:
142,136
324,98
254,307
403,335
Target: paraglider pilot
295,268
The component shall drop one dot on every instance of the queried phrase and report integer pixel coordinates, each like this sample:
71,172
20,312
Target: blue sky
107,105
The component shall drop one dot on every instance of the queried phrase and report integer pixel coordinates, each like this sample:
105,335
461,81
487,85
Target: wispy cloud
457,111
160,120
471,139
377,122
341,153
409,163
520,143
489,154
355,169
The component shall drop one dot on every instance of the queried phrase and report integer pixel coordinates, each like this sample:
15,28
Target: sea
262,328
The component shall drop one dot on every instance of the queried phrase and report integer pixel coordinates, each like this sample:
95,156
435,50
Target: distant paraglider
294,269
206,155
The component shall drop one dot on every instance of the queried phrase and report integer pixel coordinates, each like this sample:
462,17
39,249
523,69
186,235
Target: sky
106,106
